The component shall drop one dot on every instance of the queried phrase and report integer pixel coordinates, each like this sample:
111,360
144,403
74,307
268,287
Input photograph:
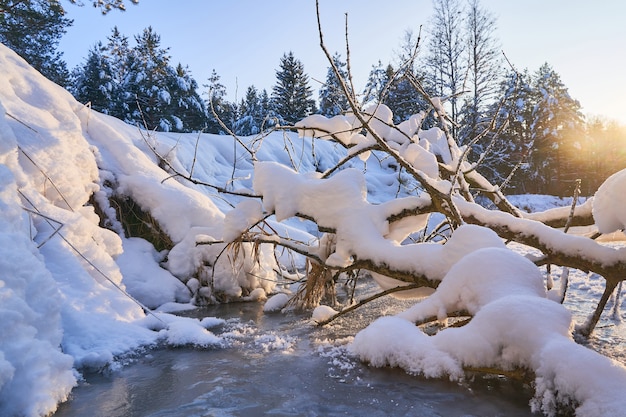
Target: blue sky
243,40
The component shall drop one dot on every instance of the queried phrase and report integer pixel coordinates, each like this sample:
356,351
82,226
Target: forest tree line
520,122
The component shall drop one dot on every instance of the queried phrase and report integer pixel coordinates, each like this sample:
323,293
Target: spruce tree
513,144
332,99
267,111
291,94
402,97
250,117
33,29
375,88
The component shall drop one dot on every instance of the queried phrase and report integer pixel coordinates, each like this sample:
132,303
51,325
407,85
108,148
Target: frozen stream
280,365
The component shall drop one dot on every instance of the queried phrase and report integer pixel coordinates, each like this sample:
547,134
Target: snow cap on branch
609,203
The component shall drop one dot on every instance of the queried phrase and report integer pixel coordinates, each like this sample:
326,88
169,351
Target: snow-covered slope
64,280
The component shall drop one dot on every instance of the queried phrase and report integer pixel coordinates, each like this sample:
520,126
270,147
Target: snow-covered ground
75,295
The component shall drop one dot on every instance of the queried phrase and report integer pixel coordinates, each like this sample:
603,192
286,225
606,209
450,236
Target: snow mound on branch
609,204
363,229
321,127
419,148
507,301
466,239
246,214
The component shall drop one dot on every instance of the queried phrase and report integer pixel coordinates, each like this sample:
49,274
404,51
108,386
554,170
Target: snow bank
145,280
34,374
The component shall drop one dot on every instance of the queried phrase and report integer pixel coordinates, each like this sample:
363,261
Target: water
280,365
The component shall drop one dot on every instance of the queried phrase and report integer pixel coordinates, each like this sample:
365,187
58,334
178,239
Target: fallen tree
460,267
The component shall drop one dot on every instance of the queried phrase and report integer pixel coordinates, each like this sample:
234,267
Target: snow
145,280
190,332
75,295
236,222
609,202
276,303
322,313
318,126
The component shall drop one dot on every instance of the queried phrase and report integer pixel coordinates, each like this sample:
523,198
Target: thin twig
227,129
367,300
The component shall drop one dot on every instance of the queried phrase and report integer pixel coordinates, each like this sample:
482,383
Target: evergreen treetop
292,95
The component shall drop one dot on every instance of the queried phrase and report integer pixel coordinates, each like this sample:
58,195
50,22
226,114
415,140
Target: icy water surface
280,365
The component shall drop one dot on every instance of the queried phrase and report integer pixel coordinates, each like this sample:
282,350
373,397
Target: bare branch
443,202
367,300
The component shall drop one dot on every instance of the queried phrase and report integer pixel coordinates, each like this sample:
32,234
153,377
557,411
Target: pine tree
145,87
557,120
118,53
107,5
33,29
139,86
218,107
291,95
93,82
332,99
